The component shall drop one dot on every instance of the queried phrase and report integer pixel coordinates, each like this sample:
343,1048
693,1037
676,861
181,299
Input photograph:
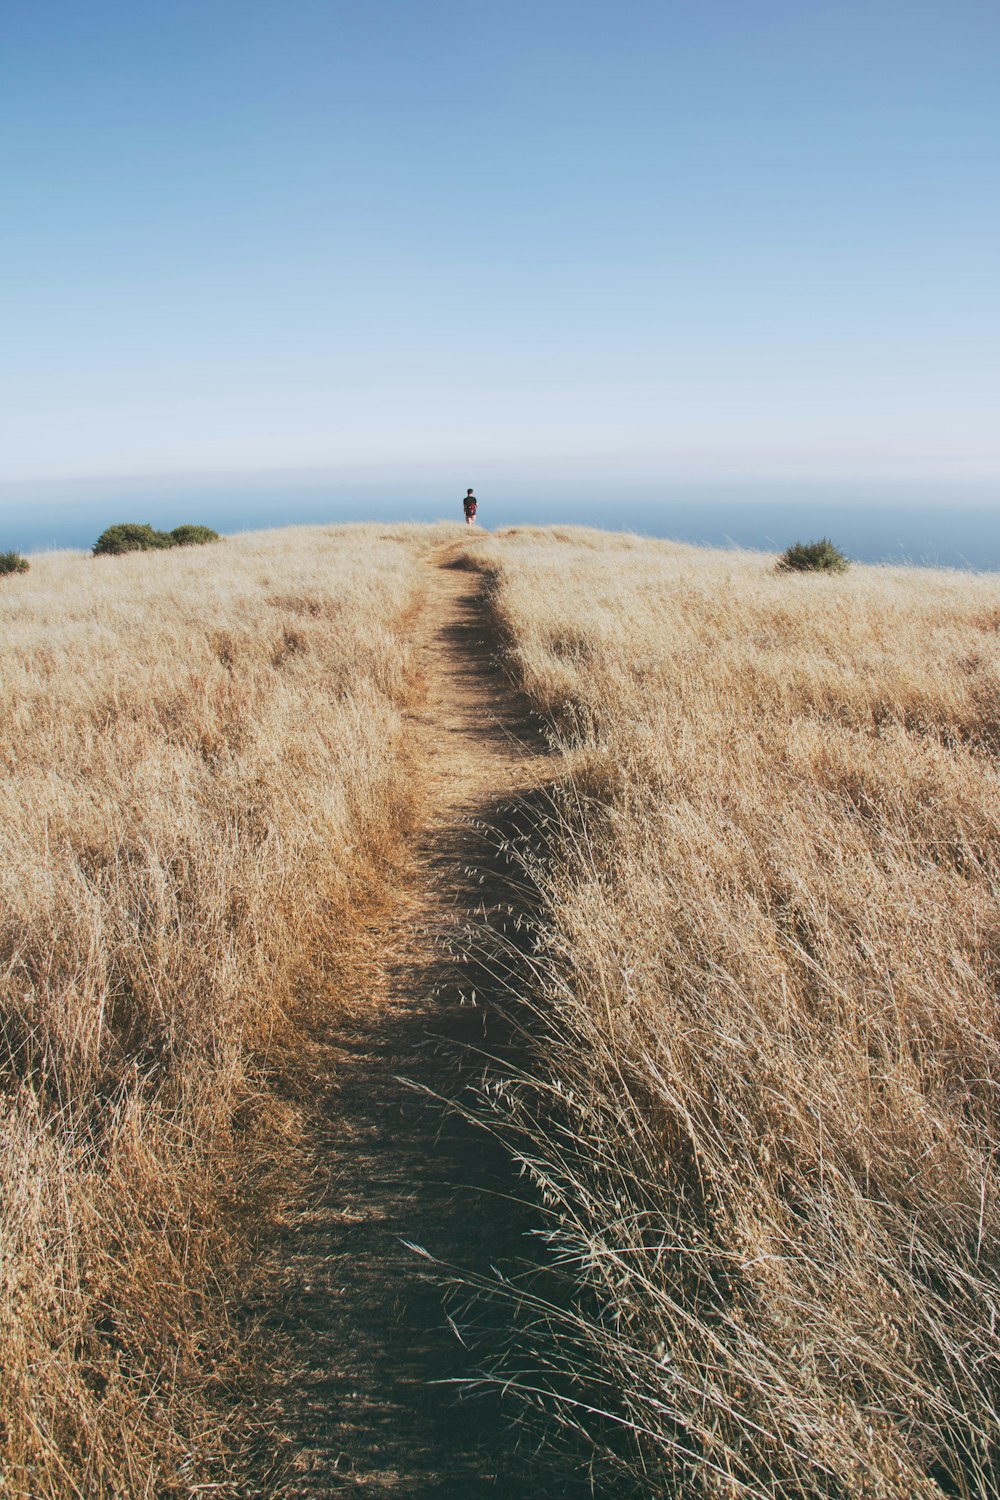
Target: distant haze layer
930,524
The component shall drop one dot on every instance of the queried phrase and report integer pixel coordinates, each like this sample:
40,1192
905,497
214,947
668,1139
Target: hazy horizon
874,521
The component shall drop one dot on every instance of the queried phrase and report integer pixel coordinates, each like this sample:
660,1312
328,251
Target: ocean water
921,525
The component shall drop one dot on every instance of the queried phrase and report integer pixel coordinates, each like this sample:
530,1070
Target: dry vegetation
200,749
764,1115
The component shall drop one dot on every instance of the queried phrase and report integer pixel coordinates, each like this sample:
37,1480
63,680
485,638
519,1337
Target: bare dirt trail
366,1401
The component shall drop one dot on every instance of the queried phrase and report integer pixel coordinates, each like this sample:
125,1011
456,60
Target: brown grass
201,752
764,1114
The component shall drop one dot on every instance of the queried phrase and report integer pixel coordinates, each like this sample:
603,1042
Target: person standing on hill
470,505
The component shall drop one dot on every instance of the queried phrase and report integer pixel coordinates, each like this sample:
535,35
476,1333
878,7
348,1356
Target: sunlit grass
763,1119
200,749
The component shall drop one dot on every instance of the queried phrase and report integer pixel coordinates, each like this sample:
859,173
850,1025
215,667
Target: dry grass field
200,750
761,1113
764,1111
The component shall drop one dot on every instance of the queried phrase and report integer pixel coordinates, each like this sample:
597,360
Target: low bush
130,536
13,562
192,536
813,557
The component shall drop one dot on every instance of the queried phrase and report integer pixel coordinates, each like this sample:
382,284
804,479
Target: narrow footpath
369,1399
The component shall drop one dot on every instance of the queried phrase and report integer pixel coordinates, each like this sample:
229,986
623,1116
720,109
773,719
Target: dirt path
363,1400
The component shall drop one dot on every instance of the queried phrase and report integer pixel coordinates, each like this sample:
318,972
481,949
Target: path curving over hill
361,1402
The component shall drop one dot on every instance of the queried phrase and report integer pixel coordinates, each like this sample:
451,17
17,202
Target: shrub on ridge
13,562
130,536
813,557
193,536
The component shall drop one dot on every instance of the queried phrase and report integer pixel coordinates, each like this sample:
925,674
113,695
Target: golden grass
764,1116
201,750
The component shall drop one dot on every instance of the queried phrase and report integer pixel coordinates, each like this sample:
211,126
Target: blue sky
732,237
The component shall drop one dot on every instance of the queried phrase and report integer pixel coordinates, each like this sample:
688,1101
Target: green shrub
13,562
193,536
813,557
129,536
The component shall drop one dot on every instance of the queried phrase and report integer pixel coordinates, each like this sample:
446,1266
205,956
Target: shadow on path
370,1391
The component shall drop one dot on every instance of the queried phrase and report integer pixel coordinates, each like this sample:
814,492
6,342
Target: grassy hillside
200,749
764,1112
